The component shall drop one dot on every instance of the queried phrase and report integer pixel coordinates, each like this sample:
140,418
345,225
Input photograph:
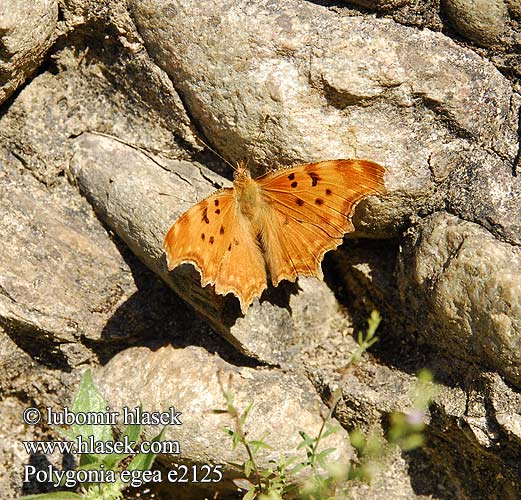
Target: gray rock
190,380
39,124
61,279
462,286
506,408
328,99
465,428
68,296
26,33
125,186
482,21
279,83
41,387
482,189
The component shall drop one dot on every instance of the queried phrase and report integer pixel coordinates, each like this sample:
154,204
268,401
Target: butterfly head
242,172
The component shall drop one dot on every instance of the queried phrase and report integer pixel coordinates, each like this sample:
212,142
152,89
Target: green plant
89,400
366,341
406,429
272,482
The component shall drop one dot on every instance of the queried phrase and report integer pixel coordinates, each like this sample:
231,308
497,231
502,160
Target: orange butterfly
284,221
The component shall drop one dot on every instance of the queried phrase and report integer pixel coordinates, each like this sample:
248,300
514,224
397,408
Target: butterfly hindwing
294,248
215,237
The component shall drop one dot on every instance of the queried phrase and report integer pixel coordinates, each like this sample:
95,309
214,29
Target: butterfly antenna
174,196
234,168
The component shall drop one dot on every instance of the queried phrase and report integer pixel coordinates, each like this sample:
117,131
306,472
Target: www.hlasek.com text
91,446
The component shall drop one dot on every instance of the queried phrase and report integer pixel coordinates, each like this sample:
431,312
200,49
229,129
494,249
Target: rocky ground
102,105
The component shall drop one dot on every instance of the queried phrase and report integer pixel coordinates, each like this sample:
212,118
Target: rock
463,427
483,21
506,404
190,380
278,84
464,288
57,251
381,5
363,88
467,437
514,8
26,34
41,387
40,123
125,187
67,295
483,189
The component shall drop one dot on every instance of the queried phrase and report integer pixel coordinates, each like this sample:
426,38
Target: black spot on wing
314,178
204,217
300,202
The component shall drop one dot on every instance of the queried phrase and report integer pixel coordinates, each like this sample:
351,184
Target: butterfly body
283,222
248,194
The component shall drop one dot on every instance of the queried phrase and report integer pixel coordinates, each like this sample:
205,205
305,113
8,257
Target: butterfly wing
220,242
308,211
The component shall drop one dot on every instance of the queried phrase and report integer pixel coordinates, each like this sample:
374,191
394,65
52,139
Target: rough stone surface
26,34
25,382
329,99
483,21
125,187
514,8
465,288
126,87
381,5
61,279
483,190
38,126
463,431
192,381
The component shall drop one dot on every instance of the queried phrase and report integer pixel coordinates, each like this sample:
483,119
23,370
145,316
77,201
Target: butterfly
281,223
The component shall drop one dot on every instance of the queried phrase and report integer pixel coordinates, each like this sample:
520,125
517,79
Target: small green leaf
331,429
250,495
144,461
132,432
259,444
244,416
89,400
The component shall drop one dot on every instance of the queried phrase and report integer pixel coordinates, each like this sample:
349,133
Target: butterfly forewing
219,241
310,208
